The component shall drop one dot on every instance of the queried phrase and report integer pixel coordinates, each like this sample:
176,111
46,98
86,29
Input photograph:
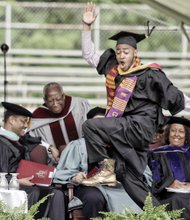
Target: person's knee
85,125
58,196
89,125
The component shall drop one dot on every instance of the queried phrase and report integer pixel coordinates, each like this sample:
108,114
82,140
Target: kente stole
117,98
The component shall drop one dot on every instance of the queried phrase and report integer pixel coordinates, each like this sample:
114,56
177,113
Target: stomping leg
136,188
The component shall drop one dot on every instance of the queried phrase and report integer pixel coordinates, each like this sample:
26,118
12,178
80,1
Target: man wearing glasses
59,120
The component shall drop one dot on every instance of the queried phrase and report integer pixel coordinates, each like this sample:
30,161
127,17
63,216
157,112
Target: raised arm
89,16
88,49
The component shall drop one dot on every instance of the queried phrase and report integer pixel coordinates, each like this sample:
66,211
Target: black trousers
125,141
53,207
93,201
176,201
33,194
57,206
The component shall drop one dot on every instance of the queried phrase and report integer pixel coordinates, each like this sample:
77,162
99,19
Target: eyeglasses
23,120
57,100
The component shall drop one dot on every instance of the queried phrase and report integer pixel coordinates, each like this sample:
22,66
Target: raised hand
89,15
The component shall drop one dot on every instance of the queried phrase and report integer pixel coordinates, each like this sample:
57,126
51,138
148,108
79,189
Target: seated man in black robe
16,121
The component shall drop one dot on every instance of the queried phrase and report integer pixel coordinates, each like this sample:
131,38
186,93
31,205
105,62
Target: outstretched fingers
90,7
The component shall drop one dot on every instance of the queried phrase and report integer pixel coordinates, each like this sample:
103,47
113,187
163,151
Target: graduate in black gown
14,146
136,95
170,165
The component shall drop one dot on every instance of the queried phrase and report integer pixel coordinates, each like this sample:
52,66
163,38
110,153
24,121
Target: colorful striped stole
122,96
117,98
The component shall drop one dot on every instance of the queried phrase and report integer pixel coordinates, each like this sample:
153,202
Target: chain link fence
58,25
34,29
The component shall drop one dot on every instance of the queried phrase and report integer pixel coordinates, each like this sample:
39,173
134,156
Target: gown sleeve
161,90
4,158
161,173
72,161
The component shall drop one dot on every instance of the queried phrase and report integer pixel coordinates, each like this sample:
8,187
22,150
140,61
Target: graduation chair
75,213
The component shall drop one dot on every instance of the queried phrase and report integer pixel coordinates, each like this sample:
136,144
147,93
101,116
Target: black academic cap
96,111
129,38
178,120
16,109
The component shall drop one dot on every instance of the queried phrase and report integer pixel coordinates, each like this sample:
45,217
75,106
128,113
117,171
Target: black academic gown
11,152
130,135
167,164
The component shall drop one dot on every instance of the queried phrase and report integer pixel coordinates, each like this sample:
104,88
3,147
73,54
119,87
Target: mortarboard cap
16,109
178,120
96,111
129,38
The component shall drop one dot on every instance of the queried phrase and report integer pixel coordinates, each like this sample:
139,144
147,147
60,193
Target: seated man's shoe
104,176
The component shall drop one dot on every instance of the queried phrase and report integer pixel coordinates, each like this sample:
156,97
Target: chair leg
75,214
